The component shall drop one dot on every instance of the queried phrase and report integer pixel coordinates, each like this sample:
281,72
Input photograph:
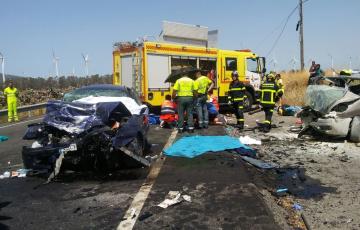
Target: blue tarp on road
193,146
3,138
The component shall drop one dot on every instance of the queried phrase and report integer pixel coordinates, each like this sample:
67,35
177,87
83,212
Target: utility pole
301,35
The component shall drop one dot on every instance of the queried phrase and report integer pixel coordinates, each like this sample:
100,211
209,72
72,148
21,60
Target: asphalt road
223,196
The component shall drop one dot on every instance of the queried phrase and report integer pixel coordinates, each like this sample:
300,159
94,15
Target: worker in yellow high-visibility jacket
11,94
185,90
204,85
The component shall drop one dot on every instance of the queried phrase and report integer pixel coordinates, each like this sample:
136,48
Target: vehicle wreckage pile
87,134
331,111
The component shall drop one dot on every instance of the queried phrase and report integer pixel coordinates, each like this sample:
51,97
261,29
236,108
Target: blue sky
31,30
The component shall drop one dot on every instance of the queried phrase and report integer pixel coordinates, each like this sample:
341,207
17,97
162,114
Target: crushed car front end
85,136
331,111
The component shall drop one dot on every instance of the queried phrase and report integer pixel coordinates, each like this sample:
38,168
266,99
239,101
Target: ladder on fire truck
136,71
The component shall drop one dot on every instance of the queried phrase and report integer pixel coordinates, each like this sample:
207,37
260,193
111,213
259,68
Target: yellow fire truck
145,66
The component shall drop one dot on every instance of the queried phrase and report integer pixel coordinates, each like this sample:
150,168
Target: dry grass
295,86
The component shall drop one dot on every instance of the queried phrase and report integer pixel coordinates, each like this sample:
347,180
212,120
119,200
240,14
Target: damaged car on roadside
97,127
333,110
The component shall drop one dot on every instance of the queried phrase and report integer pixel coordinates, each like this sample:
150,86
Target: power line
269,34
282,31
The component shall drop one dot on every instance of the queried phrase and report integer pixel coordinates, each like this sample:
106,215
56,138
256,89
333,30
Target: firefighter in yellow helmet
268,96
11,94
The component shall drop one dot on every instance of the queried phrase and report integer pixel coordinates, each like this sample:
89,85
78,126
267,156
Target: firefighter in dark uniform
236,97
268,96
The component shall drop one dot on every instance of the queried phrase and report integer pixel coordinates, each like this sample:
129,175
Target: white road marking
137,204
19,123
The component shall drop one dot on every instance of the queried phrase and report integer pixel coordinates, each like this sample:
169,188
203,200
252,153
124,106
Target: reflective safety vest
268,93
280,85
185,87
10,93
168,107
236,91
203,84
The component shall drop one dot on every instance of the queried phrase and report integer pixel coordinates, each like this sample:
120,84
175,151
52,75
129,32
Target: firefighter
11,94
236,98
168,115
269,91
204,85
185,90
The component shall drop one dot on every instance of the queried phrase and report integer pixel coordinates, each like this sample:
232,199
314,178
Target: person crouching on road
269,91
11,94
236,97
168,114
185,90
204,85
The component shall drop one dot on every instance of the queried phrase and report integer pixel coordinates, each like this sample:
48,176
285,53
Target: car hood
82,115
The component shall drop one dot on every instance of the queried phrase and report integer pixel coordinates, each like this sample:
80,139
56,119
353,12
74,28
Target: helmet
235,73
273,73
270,77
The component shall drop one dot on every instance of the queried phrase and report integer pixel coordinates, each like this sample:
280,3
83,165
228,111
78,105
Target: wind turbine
274,61
56,62
86,61
293,61
350,66
332,64
2,67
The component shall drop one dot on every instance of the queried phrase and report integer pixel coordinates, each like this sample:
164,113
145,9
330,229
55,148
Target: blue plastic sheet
193,146
3,138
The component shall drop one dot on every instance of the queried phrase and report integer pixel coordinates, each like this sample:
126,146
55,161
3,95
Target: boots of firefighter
266,128
190,129
240,124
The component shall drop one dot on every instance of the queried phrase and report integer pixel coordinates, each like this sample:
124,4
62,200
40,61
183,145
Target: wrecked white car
95,127
331,111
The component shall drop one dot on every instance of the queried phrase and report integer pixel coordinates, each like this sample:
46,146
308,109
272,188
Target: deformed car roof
105,86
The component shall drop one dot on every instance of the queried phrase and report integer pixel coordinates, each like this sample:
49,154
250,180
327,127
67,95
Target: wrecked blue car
97,127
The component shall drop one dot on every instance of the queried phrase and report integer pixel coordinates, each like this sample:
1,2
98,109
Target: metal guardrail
24,108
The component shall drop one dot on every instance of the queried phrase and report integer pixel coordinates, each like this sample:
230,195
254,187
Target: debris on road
294,217
172,198
3,138
5,175
246,140
259,163
193,146
18,173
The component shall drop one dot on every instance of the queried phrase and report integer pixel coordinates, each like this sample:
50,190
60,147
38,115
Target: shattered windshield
86,92
321,97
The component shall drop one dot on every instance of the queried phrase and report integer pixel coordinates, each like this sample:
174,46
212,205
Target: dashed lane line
137,204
